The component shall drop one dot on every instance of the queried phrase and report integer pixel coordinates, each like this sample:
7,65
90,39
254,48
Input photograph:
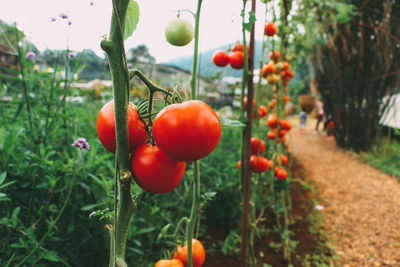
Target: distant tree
94,67
355,52
8,36
140,53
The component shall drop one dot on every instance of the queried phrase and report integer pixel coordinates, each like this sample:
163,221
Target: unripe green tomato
179,32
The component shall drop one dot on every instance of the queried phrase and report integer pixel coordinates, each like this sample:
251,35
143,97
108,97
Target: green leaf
16,245
51,256
3,177
144,231
2,194
131,19
91,206
231,123
7,184
15,212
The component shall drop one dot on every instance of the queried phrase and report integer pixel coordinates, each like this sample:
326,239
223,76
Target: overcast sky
220,23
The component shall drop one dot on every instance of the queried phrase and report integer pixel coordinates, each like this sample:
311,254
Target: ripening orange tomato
169,263
275,56
198,253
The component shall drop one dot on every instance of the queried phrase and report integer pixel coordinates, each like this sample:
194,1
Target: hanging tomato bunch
235,59
182,132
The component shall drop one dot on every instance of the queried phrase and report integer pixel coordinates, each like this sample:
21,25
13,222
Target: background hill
207,67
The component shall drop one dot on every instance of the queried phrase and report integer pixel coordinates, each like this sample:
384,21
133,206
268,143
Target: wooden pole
247,149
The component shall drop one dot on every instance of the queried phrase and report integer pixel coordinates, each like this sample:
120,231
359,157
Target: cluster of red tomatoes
260,164
235,58
182,132
274,71
180,256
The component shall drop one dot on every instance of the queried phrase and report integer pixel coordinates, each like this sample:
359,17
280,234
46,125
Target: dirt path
361,204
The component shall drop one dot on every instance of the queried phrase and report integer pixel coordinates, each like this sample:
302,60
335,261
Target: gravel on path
361,204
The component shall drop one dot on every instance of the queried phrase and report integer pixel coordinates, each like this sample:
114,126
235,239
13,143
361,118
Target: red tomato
286,99
271,135
187,131
272,121
262,111
154,171
272,104
257,145
239,47
285,125
269,69
236,60
284,159
239,165
105,126
282,133
221,58
270,29
169,263
198,253
245,102
285,65
280,173
275,56
259,164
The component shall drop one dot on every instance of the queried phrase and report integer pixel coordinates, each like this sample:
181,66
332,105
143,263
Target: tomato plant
221,58
187,131
236,60
179,32
169,263
105,126
155,172
198,253
270,29
257,146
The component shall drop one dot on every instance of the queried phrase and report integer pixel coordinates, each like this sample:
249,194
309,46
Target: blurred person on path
303,120
320,115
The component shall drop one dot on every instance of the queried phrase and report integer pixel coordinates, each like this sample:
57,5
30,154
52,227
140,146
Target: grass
385,155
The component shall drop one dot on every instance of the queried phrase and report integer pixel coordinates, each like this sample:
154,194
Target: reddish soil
302,206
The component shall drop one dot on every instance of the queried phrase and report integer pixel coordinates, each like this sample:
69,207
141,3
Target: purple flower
53,19
81,143
30,55
69,23
63,16
71,55
130,65
91,3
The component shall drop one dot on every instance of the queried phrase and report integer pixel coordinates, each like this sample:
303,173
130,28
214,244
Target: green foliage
131,19
385,155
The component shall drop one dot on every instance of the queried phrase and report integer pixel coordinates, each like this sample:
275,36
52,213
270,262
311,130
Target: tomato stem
196,165
114,48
